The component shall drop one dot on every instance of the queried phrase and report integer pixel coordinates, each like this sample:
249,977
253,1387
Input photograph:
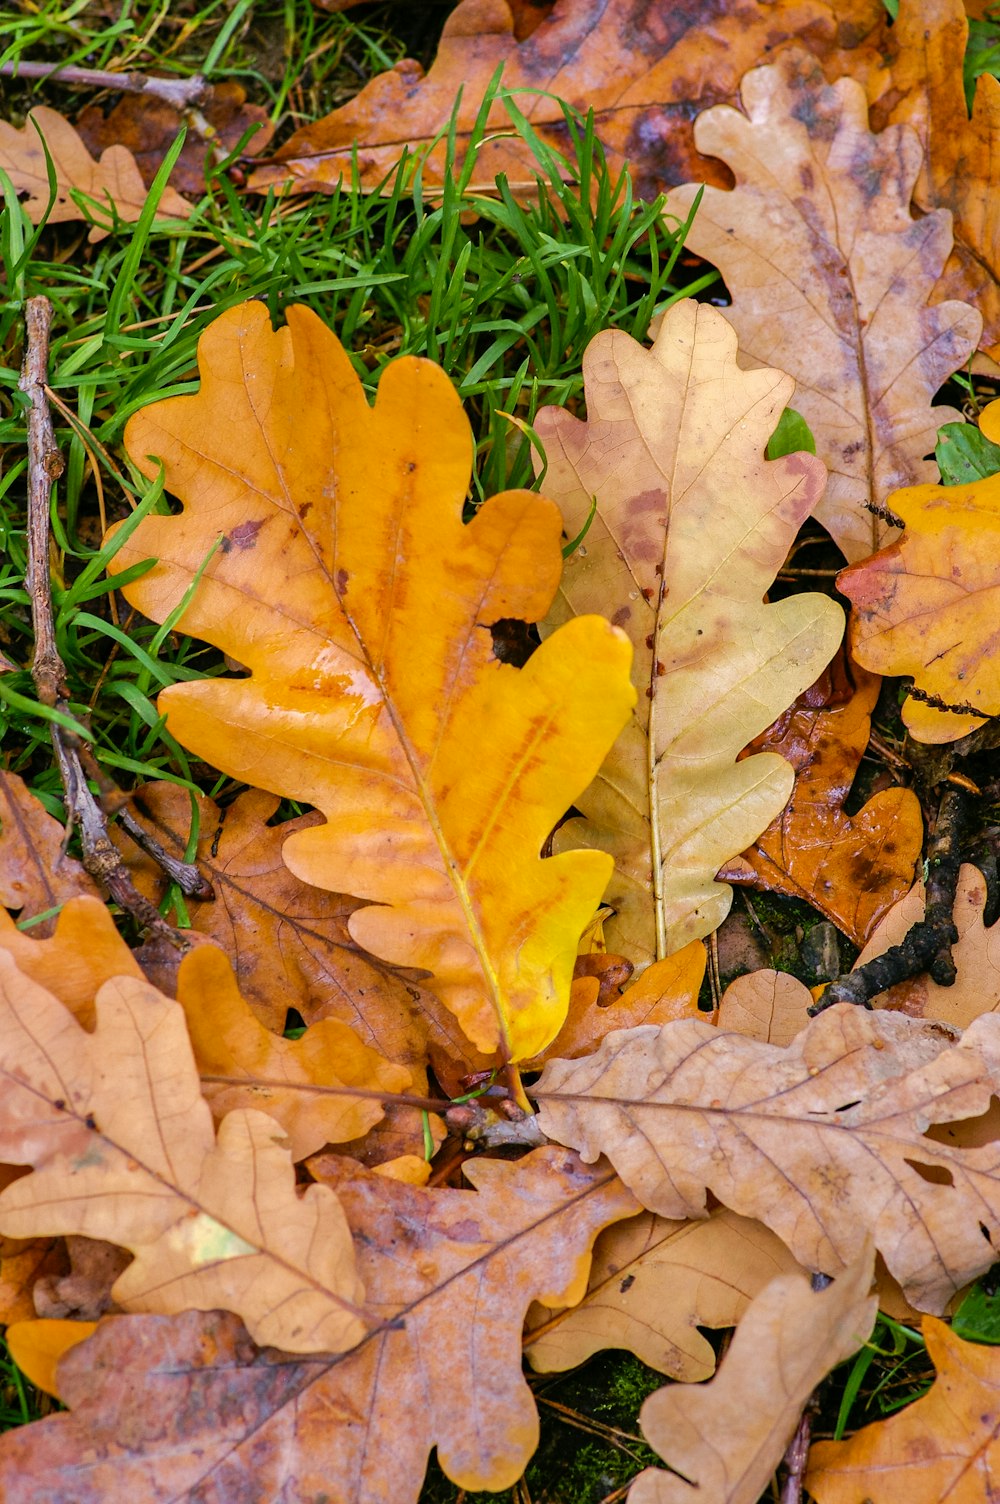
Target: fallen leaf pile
441,1075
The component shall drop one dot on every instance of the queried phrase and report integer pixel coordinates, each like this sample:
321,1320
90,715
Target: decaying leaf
944,1446
147,126
644,73
927,605
767,1005
36,875
83,1291
23,1261
652,1285
349,585
976,954
840,1134
692,524
727,1437
852,868
113,185
124,1150
304,1084
924,87
161,1408
831,280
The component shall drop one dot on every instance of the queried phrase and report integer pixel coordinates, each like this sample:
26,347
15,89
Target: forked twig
182,93
45,465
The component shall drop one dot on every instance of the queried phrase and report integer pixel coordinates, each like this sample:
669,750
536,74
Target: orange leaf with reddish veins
691,526
35,873
943,1446
123,1149
361,603
162,1409
644,71
928,605
836,1135
304,1084
852,868
832,280
652,1285
727,1437
114,182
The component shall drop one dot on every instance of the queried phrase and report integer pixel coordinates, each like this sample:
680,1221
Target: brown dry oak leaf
923,86
188,1408
726,1438
976,954
36,875
943,1447
926,606
652,1285
831,279
825,1141
105,190
691,526
124,1150
23,1263
147,127
767,1005
644,71
851,868
348,584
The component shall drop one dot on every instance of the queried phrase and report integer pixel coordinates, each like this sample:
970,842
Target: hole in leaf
968,1133
933,1174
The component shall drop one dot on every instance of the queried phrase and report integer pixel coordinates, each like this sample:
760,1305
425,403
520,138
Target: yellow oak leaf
123,1149
691,525
927,605
340,572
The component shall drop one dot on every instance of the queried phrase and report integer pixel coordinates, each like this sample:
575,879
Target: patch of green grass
20,1402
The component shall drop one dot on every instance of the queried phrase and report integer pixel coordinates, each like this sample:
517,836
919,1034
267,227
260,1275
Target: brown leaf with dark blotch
851,868
652,1285
111,187
644,70
148,127
841,1133
727,1437
83,1292
189,1408
35,873
832,279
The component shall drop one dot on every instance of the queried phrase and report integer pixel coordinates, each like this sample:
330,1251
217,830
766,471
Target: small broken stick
45,465
927,946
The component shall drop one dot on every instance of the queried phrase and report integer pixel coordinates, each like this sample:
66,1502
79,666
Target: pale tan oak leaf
727,1437
123,1149
855,1127
832,278
691,526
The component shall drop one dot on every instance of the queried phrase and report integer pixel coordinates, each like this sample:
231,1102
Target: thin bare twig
795,1460
45,465
182,93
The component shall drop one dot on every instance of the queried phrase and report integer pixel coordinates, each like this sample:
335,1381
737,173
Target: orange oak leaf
361,603
927,605
96,192
923,86
691,525
73,963
851,868
652,1285
945,1446
976,954
146,127
832,1137
831,279
161,1408
644,72
726,1438
36,875
304,1084
123,1149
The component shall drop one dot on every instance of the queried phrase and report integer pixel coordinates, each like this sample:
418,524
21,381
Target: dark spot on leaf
514,641
627,1283
245,536
621,616
341,580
